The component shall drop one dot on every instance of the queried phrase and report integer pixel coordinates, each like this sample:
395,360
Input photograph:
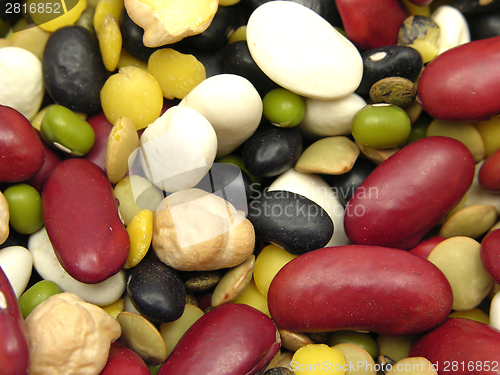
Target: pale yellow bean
4,219
234,282
122,142
459,259
172,332
140,335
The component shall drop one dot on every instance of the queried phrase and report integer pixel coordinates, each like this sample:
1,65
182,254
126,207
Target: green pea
4,28
419,128
395,347
342,31
364,340
35,295
154,369
67,131
381,126
283,108
239,34
238,161
25,208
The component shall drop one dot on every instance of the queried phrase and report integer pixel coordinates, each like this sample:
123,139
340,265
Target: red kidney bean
51,160
102,127
356,287
123,361
377,25
81,218
21,151
461,346
489,174
424,248
462,84
14,350
408,194
490,254
231,339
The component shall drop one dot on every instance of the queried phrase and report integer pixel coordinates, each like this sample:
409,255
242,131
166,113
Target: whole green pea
283,108
381,126
67,131
364,340
25,208
35,295
154,369
238,161
419,128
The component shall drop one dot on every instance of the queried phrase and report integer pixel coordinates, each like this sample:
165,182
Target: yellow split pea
115,308
271,259
110,42
176,72
132,93
140,232
106,8
318,359
106,16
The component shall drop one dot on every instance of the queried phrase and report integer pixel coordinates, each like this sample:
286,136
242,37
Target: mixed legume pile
203,187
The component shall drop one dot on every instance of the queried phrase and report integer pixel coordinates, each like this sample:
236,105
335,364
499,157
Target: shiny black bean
73,71
390,61
271,150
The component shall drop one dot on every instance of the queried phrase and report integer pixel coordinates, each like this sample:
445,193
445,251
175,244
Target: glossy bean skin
461,341
353,287
291,221
376,26
37,294
489,174
102,127
231,339
389,61
52,158
25,208
271,151
21,151
225,22
156,291
82,222
123,360
424,248
461,84
484,25
381,126
132,35
14,350
408,194
73,70
490,254
325,8
346,184
238,60
62,127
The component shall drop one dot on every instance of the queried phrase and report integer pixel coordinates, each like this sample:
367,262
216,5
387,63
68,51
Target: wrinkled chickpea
197,231
69,336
